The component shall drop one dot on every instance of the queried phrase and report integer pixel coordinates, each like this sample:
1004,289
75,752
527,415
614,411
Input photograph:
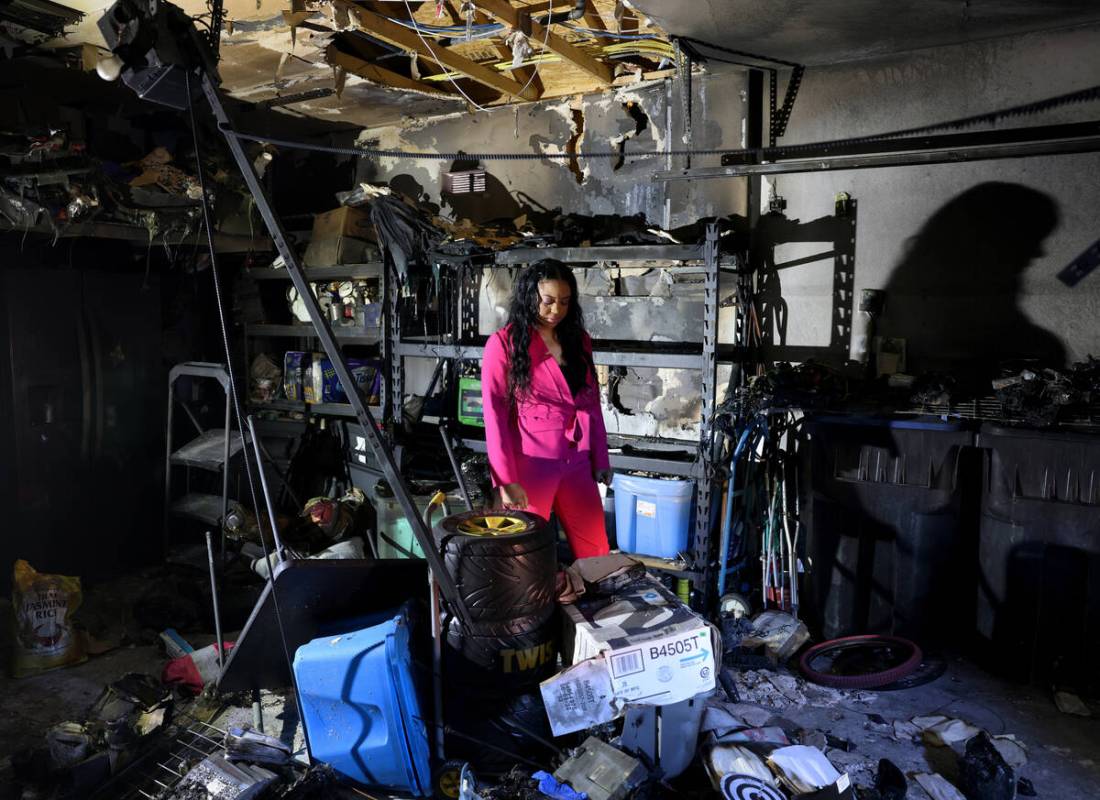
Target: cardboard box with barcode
641,646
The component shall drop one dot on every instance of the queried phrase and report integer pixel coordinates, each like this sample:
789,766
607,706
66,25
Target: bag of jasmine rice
44,634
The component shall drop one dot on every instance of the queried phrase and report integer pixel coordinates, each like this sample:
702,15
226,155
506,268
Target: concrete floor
30,706
1063,751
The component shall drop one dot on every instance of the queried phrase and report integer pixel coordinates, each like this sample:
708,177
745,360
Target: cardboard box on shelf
341,236
296,370
332,251
344,221
320,384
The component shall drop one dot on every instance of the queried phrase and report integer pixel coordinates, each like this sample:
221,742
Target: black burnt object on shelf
806,385
1043,397
403,231
933,389
574,230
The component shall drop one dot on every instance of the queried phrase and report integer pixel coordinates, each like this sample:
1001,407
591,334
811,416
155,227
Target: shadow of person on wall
954,297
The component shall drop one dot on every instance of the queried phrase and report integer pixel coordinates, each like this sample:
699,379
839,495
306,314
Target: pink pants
566,487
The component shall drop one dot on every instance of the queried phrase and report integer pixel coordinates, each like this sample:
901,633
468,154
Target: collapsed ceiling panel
295,63
374,62
481,53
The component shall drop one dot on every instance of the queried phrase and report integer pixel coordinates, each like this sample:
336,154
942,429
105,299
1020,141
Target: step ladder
211,450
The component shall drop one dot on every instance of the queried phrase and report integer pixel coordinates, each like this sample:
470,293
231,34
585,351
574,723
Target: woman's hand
512,495
603,476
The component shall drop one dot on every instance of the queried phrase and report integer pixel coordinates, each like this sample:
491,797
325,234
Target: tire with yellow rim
504,563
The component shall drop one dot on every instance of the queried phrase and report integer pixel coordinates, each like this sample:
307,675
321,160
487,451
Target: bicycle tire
869,680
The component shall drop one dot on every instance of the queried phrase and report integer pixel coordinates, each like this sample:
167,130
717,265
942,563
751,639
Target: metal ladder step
205,508
207,450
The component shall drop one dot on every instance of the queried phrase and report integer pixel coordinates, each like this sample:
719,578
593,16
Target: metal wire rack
187,741
990,409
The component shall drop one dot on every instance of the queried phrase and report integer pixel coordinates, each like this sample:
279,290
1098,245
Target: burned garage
520,399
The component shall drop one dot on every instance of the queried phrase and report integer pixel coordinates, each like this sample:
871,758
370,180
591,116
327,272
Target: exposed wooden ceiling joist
379,74
526,75
593,18
399,36
505,12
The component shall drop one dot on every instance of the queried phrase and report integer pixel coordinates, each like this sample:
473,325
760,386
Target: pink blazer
547,422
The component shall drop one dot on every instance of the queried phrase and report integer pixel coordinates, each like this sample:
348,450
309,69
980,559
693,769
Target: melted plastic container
361,711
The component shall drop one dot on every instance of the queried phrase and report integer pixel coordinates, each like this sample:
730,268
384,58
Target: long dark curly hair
523,317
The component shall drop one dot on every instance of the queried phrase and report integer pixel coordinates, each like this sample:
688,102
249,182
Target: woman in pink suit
543,419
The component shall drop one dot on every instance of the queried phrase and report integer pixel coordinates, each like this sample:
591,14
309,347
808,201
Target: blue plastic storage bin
362,715
652,516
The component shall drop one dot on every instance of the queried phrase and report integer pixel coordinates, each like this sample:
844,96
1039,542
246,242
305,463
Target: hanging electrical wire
234,395
489,28
448,31
659,50
611,34
654,47
417,27
500,66
545,42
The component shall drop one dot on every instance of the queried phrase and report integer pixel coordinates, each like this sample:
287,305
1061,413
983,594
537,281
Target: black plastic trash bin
885,535
1038,612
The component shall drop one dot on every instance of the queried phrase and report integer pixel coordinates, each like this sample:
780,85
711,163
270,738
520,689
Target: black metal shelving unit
685,459
283,420
305,332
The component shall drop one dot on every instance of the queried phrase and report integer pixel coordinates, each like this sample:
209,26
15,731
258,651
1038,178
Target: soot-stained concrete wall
967,253
646,306
633,119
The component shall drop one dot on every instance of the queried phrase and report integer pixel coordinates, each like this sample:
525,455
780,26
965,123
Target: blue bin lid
671,489
908,423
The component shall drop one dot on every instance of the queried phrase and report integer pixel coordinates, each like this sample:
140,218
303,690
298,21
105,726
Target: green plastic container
395,538
469,402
